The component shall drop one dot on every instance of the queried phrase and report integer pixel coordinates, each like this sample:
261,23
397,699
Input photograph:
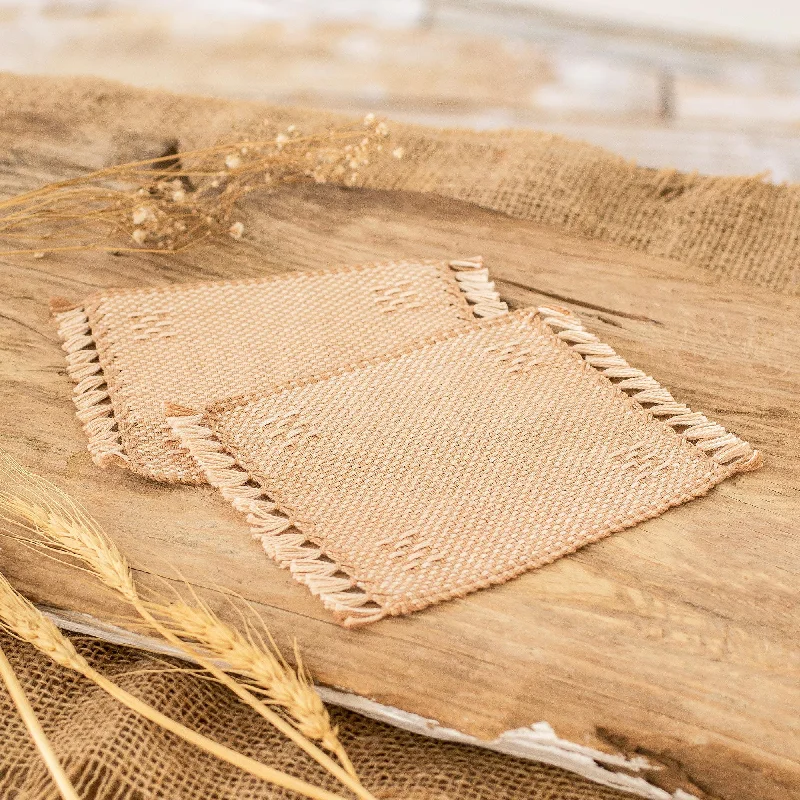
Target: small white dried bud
38,254
179,196
139,236
236,230
398,152
141,214
291,129
369,119
280,140
382,129
232,161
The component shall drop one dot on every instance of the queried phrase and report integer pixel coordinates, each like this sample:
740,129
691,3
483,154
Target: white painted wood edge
538,742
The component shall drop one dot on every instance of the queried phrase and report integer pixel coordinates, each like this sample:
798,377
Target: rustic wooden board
676,640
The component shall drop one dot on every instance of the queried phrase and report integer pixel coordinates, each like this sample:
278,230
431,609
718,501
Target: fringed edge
724,448
90,395
473,280
281,539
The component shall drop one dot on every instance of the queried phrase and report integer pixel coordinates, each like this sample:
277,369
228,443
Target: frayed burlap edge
284,541
93,396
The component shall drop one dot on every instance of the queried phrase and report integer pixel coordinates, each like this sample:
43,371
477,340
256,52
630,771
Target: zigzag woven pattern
130,351
480,454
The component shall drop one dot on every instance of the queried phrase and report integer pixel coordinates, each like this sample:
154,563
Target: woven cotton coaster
457,464
130,351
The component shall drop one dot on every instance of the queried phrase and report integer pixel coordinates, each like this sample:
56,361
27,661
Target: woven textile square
130,351
456,464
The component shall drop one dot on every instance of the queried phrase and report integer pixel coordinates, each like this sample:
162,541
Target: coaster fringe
725,448
90,395
281,539
473,280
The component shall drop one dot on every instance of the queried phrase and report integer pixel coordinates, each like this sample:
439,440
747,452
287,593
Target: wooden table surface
676,640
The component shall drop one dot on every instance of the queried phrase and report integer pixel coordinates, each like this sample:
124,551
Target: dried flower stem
23,619
20,700
167,203
61,526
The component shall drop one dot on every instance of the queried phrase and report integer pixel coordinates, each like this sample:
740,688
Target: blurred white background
694,84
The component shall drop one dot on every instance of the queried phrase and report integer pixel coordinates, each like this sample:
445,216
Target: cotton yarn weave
456,464
131,351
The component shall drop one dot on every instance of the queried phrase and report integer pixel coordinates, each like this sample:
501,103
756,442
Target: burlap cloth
739,228
110,754
742,228
131,351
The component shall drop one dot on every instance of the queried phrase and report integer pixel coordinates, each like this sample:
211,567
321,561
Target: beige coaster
132,350
456,464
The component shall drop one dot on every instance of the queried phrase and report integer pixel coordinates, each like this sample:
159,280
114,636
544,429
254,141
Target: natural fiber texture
456,465
130,351
111,754
743,228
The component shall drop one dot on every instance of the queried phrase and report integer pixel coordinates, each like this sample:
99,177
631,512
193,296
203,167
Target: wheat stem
245,763
246,696
41,741
24,620
34,504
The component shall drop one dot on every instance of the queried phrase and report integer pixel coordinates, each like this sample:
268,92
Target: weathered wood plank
677,639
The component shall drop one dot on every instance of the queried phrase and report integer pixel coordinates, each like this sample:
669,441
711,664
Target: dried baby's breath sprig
168,203
22,619
42,515
29,718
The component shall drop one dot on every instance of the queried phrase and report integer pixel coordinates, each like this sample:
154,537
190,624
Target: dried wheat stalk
249,655
21,618
31,722
171,202
32,504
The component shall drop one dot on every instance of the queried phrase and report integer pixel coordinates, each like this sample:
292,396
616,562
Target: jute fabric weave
740,228
111,754
130,351
457,464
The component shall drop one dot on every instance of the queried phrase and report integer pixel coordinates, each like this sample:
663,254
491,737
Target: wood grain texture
676,640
